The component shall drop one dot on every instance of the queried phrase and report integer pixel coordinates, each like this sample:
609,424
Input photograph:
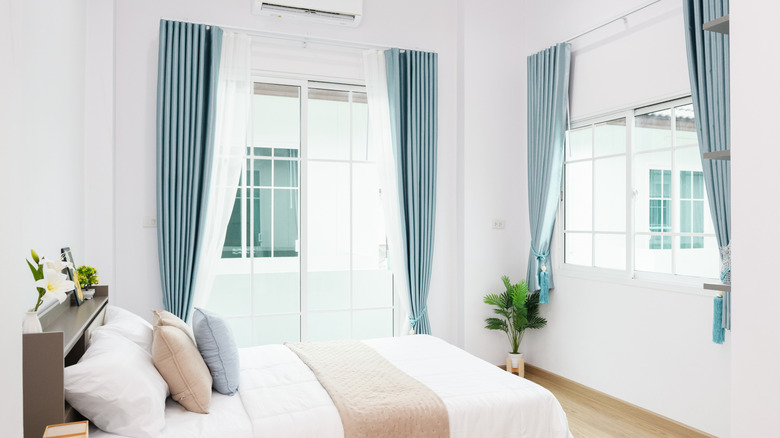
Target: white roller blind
621,68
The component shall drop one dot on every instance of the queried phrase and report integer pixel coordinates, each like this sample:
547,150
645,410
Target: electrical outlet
150,222
498,224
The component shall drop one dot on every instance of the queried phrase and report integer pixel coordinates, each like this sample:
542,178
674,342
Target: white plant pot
515,358
31,323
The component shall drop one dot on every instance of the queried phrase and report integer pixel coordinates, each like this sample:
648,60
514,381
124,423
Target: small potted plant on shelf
88,277
518,310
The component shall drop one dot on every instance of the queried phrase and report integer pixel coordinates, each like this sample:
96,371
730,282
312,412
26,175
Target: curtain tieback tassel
413,321
725,276
725,263
543,276
718,332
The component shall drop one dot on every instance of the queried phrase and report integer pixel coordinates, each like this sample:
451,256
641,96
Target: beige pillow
163,317
179,362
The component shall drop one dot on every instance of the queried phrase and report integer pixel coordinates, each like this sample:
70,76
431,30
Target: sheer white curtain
380,136
232,118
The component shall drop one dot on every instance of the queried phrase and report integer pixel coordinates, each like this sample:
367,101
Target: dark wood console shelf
717,155
719,25
723,287
66,332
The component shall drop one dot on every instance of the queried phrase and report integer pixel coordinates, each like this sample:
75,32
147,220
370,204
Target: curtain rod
612,20
305,38
309,39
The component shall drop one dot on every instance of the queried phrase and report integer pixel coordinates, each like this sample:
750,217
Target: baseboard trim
606,399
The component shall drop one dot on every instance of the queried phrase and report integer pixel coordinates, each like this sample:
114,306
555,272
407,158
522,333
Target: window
691,208
595,209
660,194
264,221
634,197
305,253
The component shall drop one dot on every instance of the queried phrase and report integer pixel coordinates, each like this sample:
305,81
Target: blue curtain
412,90
186,87
708,69
548,102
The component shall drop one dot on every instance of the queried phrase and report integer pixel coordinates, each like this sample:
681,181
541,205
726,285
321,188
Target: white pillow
129,325
116,386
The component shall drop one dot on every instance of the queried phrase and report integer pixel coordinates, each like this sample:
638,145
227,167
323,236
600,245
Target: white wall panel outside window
634,198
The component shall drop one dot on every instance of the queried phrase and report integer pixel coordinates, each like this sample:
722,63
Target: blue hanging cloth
412,88
708,70
718,332
548,103
187,82
544,281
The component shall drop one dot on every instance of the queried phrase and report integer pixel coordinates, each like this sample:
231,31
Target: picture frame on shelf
78,294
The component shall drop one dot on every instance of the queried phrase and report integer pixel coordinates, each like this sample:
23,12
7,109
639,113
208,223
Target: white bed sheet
280,397
226,418
482,400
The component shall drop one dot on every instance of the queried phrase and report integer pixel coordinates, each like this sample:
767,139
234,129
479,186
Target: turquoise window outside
660,212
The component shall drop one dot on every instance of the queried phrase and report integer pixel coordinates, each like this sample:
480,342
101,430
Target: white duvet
280,397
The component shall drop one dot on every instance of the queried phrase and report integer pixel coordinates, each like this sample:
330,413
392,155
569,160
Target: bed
280,396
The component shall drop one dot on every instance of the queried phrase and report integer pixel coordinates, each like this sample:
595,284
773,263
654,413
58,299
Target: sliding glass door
308,202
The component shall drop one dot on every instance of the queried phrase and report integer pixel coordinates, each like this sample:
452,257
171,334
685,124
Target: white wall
755,91
494,161
19,290
648,345
41,161
99,140
432,27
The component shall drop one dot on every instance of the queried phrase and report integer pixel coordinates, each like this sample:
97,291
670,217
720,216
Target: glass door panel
328,234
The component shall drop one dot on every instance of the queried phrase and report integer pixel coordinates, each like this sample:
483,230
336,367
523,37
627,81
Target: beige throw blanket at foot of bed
373,397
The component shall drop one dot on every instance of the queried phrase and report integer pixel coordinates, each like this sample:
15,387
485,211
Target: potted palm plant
518,310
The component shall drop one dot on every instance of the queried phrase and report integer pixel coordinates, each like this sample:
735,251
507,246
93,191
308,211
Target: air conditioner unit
341,12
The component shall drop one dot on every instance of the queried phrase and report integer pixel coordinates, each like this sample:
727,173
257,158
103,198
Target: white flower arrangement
49,279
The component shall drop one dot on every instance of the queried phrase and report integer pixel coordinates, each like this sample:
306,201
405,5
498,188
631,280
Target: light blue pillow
218,347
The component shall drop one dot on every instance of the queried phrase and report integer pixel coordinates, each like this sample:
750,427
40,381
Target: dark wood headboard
66,332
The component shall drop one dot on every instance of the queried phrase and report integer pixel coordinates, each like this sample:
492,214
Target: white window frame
693,200
629,276
304,83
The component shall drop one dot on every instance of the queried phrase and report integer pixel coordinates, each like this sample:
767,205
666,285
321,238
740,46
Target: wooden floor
593,414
